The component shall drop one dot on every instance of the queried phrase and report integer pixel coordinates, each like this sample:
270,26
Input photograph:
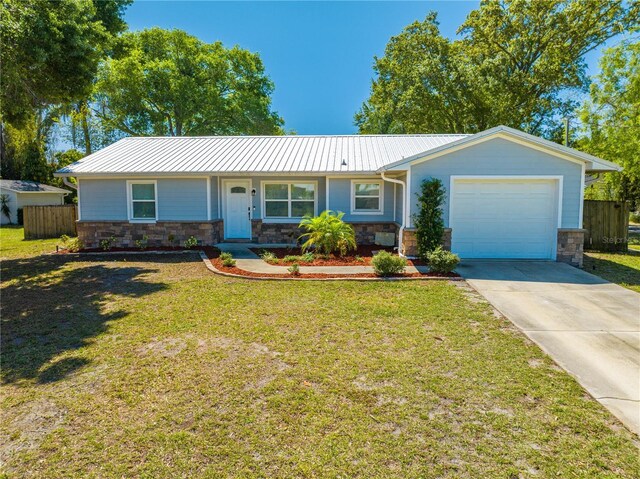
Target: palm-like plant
328,233
4,206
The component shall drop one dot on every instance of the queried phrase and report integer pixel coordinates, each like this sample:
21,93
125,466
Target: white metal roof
24,186
254,154
592,163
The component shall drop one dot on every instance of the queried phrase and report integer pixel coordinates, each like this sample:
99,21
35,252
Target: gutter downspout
65,180
404,207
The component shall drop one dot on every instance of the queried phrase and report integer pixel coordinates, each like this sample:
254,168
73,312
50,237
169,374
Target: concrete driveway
589,326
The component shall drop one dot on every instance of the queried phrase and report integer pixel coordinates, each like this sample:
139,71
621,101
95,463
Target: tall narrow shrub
428,221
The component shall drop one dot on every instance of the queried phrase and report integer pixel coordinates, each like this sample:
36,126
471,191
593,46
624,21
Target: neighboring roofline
57,191
505,131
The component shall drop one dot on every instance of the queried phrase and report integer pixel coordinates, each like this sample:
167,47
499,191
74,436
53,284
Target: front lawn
13,244
621,268
151,366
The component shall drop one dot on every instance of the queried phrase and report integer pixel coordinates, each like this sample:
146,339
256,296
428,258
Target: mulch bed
217,263
213,254
361,257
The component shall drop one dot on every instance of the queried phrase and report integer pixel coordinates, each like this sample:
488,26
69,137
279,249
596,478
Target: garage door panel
511,218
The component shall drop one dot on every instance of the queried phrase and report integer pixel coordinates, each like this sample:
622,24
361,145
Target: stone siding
410,241
126,233
270,233
366,232
570,246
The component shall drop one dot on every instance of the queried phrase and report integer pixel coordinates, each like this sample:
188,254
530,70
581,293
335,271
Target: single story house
508,194
21,193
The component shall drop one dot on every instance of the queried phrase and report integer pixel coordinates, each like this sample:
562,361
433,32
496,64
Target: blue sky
318,54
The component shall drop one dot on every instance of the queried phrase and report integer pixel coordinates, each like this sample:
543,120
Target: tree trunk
84,112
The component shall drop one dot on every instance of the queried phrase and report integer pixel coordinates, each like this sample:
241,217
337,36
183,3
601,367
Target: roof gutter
404,205
65,180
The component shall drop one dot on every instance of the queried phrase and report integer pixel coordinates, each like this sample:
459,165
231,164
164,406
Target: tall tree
517,63
611,119
170,83
49,56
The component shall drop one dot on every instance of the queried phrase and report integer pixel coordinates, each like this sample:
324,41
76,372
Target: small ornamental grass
294,269
72,244
442,261
307,257
268,256
227,260
387,264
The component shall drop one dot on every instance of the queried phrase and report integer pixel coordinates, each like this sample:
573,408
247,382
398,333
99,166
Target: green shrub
171,239
294,269
442,261
191,242
291,258
227,260
428,222
308,257
268,256
72,244
327,233
634,217
107,244
387,264
143,243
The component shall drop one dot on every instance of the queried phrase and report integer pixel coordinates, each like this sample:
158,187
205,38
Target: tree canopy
517,63
611,119
170,83
51,50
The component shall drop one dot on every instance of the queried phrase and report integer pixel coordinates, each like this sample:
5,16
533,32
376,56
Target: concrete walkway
589,326
249,261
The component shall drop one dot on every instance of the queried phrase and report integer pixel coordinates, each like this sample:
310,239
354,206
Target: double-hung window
289,200
142,200
366,197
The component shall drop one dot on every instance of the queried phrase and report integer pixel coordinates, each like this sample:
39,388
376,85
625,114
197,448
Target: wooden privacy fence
49,221
607,225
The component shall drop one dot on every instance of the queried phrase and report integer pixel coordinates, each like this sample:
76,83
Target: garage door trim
557,178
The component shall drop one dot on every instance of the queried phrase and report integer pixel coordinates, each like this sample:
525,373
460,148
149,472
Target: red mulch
241,272
364,252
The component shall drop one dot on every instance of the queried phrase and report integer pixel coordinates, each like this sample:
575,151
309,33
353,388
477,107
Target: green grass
621,268
13,244
151,366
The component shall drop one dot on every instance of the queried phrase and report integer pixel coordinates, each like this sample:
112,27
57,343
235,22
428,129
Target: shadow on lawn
611,270
47,311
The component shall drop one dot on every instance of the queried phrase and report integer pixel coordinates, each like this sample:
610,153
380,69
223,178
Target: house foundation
160,233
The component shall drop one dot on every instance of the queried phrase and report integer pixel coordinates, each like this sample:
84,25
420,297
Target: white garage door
504,218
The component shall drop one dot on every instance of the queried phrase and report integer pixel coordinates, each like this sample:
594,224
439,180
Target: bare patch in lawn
168,347
29,424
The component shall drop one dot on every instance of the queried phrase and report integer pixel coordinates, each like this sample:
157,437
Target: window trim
289,218
380,210
130,200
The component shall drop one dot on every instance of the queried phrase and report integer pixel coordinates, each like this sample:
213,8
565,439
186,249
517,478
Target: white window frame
130,200
286,219
380,210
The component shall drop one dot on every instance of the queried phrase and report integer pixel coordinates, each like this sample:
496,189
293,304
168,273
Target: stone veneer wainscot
570,246
270,233
410,241
126,233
